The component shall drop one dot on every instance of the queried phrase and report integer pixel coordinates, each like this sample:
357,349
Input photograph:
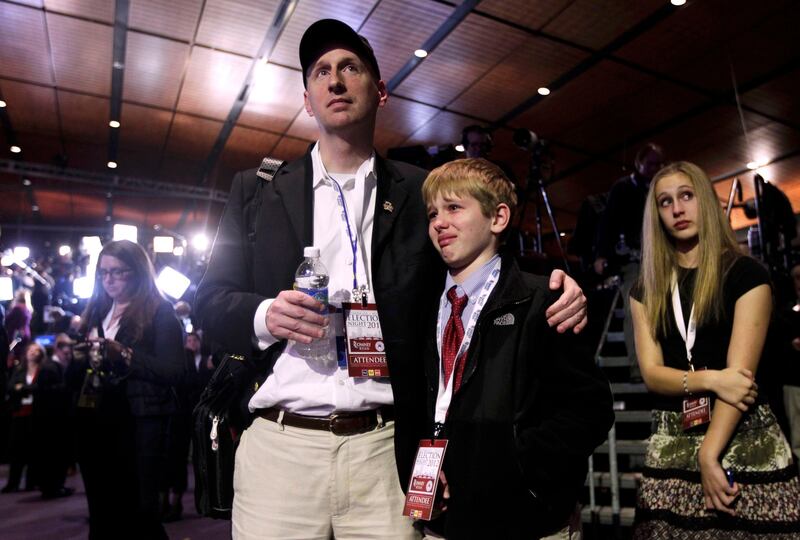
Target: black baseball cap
328,32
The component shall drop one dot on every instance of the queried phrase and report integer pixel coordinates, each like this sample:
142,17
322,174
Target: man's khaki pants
292,483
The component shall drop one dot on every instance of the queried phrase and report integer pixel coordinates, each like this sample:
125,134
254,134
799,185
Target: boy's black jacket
531,409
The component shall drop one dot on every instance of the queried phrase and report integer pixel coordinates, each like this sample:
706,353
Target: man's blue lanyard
357,291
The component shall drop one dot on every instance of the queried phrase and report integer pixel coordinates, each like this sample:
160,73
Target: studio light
22,252
64,250
125,232
178,251
15,149
92,245
83,287
200,242
6,288
112,164
114,124
163,244
544,91
172,283
420,53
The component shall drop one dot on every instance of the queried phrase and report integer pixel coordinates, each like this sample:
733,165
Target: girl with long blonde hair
717,464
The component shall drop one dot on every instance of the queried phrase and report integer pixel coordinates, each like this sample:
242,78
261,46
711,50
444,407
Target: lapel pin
388,206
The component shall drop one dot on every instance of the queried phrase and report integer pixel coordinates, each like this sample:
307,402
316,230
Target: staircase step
633,416
613,361
615,337
632,447
627,480
628,388
626,515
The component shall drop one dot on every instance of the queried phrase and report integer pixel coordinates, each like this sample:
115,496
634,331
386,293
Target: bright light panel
172,283
200,242
64,250
6,289
83,287
22,252
163,244
7,259
125,232
178,251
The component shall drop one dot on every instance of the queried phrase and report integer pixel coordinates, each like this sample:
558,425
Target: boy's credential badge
364,346
421,494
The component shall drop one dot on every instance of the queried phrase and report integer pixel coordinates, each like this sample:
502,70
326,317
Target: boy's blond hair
482,180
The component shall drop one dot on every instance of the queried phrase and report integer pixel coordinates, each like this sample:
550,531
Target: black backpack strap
266,172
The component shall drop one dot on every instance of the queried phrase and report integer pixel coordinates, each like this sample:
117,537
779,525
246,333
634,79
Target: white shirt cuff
263,336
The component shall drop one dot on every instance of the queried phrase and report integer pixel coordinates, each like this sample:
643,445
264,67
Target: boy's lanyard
687,334
445,393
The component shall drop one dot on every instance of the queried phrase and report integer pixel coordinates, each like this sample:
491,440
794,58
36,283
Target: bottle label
320,295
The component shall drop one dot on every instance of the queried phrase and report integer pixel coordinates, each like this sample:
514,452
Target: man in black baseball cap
329,445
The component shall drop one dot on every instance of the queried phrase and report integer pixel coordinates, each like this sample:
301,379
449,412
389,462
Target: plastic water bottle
312,278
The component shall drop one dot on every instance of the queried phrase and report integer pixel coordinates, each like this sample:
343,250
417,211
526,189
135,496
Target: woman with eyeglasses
717,464
132,358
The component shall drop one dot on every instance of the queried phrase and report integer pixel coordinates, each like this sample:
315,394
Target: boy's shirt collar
474,283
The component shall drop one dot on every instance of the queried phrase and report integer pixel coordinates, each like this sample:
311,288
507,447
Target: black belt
341,423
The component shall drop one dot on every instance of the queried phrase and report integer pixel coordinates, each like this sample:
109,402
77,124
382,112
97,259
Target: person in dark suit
126,393
322,455
521,407
199,369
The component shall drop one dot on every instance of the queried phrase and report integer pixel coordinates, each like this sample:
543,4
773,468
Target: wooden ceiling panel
275,98
87,156
153,69
180,171
144,128
81,54
468,53
542,61
353,12
23,44
99,10
31,108
693,31
397,28
213,82
289,148
138,163
38,148
192,137
304,127
237,26
594,23
569,106
398,120
173,18
626,117
247,147
84,118
531,14
778,97
31,3
444,128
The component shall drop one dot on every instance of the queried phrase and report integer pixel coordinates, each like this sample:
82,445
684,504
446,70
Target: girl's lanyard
688,334
445,393
359,292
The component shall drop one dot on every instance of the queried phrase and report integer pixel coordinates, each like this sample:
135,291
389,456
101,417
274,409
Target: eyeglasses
115,273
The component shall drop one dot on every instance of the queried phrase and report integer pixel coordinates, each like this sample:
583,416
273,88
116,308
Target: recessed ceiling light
677,2
16,149
562,235
420,53
112,164
114,123
2,103
26,182
544,91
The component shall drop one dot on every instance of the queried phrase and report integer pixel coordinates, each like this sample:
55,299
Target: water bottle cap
311,251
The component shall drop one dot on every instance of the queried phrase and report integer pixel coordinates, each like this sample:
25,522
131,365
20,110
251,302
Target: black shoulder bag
218,421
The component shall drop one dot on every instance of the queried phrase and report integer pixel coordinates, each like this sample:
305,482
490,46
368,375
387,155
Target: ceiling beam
113,182
279,21
430,44
121,13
